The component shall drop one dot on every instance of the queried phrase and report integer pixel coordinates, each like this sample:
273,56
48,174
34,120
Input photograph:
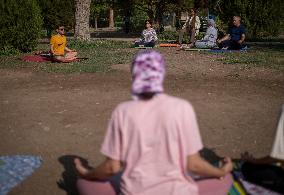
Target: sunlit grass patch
262,56
101,54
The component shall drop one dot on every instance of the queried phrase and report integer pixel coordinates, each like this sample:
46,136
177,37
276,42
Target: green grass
101,56
270,56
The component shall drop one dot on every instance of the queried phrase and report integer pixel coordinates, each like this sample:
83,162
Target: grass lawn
269,56
103,53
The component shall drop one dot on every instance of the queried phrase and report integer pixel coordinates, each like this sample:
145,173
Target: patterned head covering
211,22
148,72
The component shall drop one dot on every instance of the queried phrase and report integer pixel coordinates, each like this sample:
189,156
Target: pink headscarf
148,73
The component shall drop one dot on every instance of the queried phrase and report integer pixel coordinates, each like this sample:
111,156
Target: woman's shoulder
176,101
162,99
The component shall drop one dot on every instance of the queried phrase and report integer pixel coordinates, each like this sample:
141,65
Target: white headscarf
211,22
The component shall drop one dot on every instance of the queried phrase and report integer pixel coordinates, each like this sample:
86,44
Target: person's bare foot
191,45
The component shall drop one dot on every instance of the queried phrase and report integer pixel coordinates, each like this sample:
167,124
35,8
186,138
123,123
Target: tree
154,9
261,17
20,24
55,12
82,17
97,7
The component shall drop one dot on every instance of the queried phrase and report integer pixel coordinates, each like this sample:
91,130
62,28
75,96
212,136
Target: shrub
57,12
168,35
260,17
20,23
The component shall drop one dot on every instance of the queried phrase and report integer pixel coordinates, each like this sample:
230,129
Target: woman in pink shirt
154,142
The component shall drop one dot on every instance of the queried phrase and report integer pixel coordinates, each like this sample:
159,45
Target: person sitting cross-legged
190,27
152,143
149,36
234,39
209,40
59,51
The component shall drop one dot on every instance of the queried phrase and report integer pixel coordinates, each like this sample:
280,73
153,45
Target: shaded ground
57,116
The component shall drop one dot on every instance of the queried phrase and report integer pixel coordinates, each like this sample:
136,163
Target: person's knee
58,58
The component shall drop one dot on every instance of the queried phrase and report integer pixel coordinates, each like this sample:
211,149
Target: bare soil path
58,116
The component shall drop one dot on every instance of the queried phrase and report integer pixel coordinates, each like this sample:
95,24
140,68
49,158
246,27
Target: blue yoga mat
15,169
226,51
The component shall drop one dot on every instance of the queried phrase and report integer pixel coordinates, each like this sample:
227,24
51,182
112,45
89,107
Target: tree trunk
96,22
111,21
82,15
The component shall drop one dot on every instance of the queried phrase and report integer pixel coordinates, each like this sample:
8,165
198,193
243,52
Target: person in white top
209,40
149,36
191,26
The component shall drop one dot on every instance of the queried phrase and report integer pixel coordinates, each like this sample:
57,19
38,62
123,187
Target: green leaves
20,25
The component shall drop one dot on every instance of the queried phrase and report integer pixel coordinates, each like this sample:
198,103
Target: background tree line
22,21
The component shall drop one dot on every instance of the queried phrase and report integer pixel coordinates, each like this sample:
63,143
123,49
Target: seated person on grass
277,151
152,143
268,171
59,51
149,36
236,36
191,27
209,40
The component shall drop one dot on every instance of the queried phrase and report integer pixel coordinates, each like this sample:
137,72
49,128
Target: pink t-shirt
153,139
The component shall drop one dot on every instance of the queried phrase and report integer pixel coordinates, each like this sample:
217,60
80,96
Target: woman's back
153,138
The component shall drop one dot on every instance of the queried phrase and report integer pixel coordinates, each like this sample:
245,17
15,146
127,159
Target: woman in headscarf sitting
209,40
154,142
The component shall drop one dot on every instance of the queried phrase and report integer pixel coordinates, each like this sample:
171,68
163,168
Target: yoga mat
68,61
36,58
253,189
44,58
143,47
226,50
195,49
16,168
168,45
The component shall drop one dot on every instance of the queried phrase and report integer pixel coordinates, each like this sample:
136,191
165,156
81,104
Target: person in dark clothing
235,37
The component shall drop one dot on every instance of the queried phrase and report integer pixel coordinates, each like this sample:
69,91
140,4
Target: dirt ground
61,116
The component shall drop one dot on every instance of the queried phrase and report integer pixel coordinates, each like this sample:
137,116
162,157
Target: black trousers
232,45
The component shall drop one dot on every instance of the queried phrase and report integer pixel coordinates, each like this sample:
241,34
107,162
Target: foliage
139,10
260,17
168,35
8,51
137,21
20,23
57,12
98,9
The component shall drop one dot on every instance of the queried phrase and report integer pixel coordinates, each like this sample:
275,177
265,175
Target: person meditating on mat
234,39
277,150
59,51
268,171
153,142
191,27
209,40
149,36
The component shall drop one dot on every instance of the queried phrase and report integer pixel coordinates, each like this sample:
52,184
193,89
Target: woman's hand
81,170
227,165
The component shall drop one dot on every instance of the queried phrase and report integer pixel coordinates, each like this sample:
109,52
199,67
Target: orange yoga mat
168,45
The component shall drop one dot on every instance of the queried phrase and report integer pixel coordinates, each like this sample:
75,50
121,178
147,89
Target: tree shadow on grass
69,176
